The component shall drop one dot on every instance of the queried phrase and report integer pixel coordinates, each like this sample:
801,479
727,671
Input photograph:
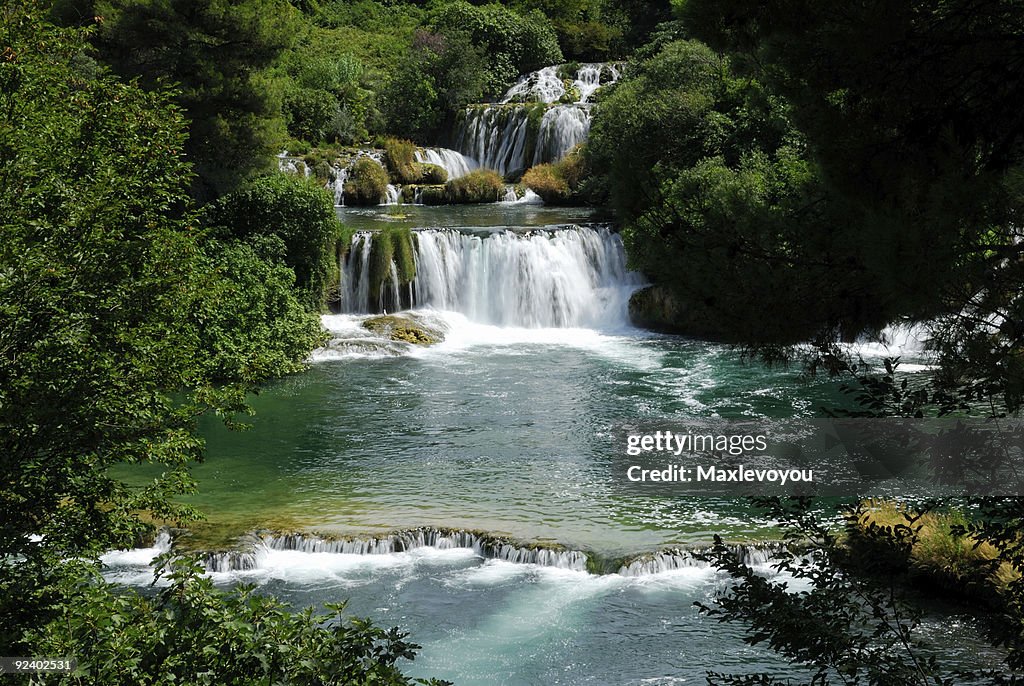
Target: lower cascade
254,549
563,277
489,547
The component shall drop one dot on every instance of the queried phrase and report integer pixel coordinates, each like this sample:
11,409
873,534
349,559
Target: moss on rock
432,174
433,195
403,329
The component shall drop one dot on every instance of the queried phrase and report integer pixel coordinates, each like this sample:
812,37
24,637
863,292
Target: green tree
440,75
513,43
723,208
297,212
217,54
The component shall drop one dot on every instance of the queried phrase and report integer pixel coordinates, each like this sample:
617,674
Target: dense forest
784,173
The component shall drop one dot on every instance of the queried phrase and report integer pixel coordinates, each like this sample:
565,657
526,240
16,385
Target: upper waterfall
540,119
564,277
552,84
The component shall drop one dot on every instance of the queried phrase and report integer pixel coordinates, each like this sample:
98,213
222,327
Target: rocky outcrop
658,309
403,329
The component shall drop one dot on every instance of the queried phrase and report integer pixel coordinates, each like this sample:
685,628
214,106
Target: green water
513,438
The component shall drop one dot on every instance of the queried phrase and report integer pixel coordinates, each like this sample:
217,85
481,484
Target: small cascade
552,85
562,128
497,137
254,549
222,562
453,162
590,77
688,558
564,277
510,195
540,119
292,166
489,547
338,185
529,198
392,195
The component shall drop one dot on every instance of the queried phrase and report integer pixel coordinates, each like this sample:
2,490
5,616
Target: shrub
516,43
482,185
254,287
545,181
191,632
431,174
299,212
434,196
400,158
559,182
367,183
310,114
439,76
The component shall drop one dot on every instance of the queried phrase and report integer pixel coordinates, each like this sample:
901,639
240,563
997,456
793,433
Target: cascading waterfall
338,186
562,128
254,550
546,85
564,277
489,547
453,162
496,136
540,119
670,560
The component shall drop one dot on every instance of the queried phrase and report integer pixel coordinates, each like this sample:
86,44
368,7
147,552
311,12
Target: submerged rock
403,329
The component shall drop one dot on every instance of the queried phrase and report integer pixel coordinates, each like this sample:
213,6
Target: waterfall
391,195
455,163
565,277
670,560
489,547
338,186
540,119
496,137
561,129
547,85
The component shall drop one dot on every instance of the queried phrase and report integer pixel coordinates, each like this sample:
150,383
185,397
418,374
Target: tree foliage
514,44
190,632
297,212
440,75
122,324
217,53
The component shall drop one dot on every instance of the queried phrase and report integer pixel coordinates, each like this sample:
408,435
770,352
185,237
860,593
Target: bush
434,196
400,158
192,633
367,183
482,185
310,114
515,43
438,77
254,287
431,174
559,182
545,181
299,212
